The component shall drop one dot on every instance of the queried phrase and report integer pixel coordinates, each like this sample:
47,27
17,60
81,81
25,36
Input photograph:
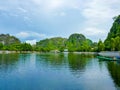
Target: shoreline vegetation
102,53
75,43
6,51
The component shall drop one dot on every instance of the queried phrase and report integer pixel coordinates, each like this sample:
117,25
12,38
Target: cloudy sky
33,20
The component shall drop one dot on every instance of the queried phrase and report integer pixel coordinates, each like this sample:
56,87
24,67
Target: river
60,71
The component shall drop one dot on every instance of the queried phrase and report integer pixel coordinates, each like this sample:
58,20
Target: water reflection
114,70
78,62
56,71
55,60
8,61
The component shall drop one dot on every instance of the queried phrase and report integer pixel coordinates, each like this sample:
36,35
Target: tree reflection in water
8,62
78,62
114,70
51,59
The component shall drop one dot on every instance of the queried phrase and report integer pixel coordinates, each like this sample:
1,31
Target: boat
118,57
105,58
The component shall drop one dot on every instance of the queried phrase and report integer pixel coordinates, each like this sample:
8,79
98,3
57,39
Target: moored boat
118,57
105,58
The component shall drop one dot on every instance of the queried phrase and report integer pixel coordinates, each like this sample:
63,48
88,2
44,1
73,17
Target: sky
34,20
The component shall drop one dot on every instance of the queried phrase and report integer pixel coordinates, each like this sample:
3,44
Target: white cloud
53,6
23,34
100,11
22,9
92,31
98,15
47,6
32,42
62,14
29,35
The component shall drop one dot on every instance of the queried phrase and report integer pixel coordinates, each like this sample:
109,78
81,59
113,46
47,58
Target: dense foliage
78,42
56,43
12,43
112,41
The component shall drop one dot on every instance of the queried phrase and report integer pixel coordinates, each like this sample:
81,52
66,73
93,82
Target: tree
26,47
114,18
56,43
78,42
113,44
87,45
94,46
1,46
117,43
113,35
101,46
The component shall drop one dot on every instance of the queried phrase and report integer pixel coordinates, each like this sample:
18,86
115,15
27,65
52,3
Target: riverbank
102,53
94,53
7,52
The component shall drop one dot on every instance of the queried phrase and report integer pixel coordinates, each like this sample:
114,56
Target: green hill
6,39
56,43
78,42
112,41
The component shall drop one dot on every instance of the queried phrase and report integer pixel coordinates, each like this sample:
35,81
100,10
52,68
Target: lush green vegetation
57,43
76,42
12,43
112,42
6,39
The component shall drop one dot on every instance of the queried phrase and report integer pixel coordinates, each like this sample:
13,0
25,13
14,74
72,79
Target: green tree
78,42
94,46
56,43
101,46
86,45
26,47
117,43
1,46
114,32
113,44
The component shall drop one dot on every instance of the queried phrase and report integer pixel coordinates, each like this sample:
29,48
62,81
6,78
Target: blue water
63,71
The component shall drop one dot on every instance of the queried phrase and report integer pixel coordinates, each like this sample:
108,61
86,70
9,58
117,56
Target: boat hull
108,58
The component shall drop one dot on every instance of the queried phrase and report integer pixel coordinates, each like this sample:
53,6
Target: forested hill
78,42
75,42
112,41
56,43
11,43
6,39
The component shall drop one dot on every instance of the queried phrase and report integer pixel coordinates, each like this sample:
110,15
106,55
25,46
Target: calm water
57,72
